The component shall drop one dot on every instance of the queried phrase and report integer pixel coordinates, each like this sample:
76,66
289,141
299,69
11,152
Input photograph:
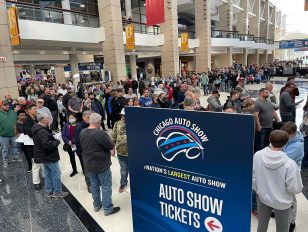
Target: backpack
226,103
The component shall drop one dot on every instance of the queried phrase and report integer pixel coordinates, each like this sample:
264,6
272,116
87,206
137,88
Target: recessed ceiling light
82,5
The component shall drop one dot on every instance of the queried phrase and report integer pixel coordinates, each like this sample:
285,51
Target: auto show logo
179,137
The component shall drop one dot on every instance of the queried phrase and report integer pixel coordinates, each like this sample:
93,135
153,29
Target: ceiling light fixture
82,5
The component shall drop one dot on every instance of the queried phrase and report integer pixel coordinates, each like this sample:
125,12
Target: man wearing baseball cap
8,120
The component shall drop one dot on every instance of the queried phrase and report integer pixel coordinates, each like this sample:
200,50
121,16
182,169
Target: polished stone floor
23,209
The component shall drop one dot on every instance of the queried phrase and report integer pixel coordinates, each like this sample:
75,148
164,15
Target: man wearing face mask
97,145
46,153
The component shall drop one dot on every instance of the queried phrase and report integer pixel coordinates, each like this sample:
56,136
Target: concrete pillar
170,50
242,18
242,58
226,60
203,33
132,58
32,71
225,23
263,58
113,47
8,83
74,70
254,23
66,15
133,66
264,26
253,58
59,71
225,16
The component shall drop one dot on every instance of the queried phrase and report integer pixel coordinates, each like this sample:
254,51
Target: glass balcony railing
142,28
29,11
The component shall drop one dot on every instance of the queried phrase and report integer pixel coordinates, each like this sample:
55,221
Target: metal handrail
142,27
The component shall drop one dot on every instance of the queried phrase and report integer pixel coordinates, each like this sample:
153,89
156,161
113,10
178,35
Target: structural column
66,15
59,71
254,29
225,23
32,71
8,83
113,46
170,49
74,70
242,27
203,33
132,58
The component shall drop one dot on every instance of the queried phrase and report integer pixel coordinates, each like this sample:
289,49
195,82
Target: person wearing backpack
233,102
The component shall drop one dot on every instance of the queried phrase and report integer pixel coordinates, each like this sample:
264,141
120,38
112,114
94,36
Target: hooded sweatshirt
214,104
295,149
276,178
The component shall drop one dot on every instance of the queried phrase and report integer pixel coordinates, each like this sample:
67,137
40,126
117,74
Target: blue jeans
254,201
262,138
5,142
205,89
102,198
52,175
287,117
123,161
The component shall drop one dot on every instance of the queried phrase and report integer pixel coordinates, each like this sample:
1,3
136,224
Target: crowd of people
91,119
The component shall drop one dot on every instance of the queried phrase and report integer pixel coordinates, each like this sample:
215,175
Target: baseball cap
241,79
5,102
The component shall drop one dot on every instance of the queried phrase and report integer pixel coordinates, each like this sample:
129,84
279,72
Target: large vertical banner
184,42
13,25
155,12
190,171
130,36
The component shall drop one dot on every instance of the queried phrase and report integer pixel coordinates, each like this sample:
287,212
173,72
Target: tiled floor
22,209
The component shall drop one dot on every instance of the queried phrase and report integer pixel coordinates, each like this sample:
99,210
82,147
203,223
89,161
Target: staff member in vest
97,145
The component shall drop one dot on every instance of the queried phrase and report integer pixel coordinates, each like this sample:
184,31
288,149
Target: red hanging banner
155,12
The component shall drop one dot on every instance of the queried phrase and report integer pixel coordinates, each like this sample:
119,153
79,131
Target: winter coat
45,145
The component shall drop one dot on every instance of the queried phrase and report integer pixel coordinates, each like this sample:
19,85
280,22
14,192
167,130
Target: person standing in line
28,149
204,79
46,153
8,120
62,111
276,179
42,109
287,106
294,93
294,150
97,145
304,131
75,106
264,114
84,123
120,139
214,103
68,137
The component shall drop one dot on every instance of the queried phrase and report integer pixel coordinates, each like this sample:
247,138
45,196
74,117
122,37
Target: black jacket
45,145
65,100
28,124
80,126
117,105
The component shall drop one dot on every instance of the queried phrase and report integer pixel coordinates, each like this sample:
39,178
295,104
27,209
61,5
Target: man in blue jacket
295,150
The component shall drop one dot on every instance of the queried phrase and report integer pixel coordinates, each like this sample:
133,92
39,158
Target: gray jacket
286,106
214,104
